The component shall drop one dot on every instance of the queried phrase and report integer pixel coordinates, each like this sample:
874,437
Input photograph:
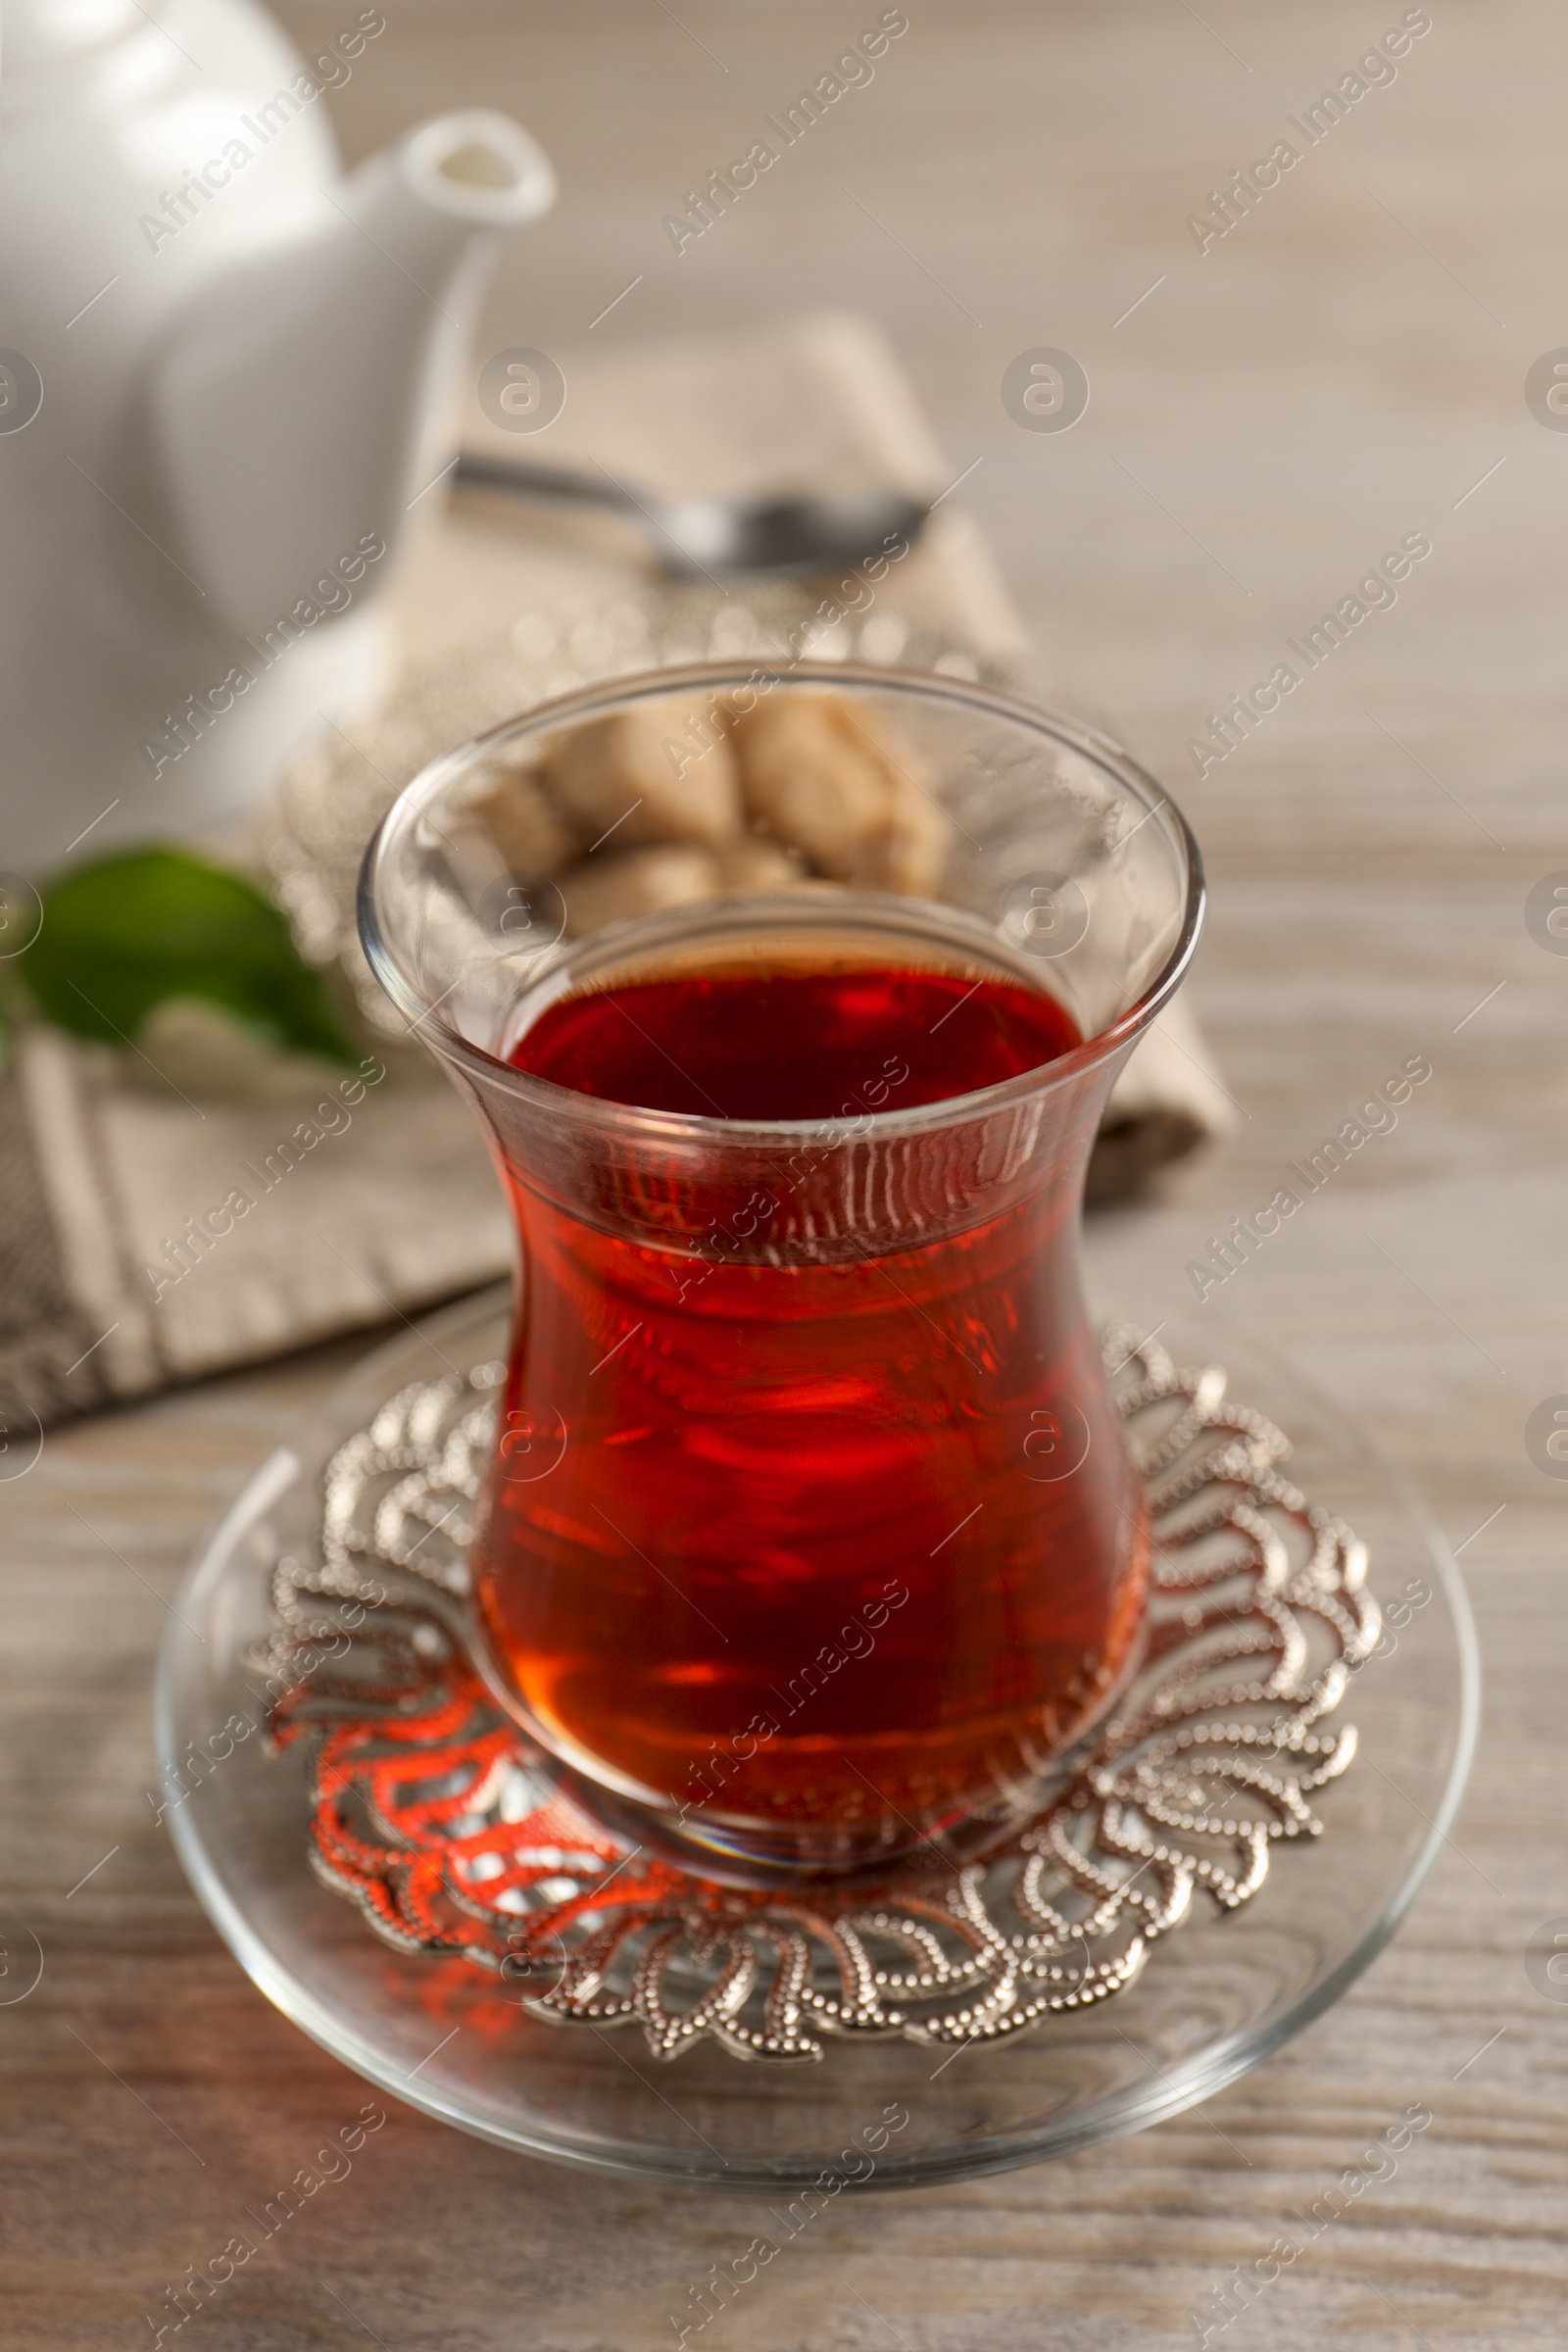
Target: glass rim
627,1118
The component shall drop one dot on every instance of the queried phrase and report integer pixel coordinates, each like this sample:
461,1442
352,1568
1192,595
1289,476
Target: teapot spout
303,401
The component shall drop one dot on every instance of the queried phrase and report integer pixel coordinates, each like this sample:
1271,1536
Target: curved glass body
811,1534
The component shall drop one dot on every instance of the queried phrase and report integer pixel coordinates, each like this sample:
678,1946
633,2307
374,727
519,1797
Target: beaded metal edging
435,1814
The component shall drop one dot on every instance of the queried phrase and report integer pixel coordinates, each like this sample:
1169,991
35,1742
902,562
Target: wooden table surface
1343,368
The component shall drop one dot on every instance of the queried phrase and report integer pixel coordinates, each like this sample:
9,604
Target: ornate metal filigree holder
435,1814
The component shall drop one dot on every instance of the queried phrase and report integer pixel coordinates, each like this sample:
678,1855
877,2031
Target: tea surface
793,1043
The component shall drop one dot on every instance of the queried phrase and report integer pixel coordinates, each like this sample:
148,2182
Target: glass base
729,1859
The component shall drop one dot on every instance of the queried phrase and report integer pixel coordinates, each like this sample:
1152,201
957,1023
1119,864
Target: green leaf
125,934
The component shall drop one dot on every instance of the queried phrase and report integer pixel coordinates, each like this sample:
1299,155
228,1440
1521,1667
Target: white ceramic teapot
225,372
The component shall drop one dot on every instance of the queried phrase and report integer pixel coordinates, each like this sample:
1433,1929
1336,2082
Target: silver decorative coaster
434,1813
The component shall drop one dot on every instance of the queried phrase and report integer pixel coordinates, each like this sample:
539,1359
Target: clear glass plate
1216,1996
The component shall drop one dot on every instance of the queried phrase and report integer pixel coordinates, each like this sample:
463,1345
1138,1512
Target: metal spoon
707,536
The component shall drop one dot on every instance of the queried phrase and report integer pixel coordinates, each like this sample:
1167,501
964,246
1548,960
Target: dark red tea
848,1542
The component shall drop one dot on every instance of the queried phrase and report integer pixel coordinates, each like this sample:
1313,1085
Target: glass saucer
1216,1996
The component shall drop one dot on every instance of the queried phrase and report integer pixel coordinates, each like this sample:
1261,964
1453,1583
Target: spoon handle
548,485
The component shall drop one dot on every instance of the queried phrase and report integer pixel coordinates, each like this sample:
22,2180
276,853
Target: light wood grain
1279,410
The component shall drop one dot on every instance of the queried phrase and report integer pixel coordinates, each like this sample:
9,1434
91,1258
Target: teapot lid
45,33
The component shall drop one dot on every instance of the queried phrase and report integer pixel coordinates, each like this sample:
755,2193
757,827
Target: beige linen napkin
347,1199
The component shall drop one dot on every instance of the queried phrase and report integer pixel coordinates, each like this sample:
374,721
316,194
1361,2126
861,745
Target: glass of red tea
788,1002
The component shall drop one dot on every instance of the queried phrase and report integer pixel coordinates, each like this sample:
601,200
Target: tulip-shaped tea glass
788,1003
